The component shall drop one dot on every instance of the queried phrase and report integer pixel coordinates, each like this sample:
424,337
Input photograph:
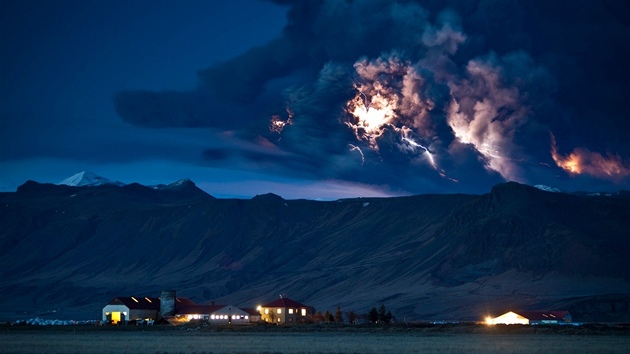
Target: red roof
544,315
284,302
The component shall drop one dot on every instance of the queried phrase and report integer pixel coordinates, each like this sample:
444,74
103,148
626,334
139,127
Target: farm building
132,308
175,310
220,314
531,318
123,309
285,310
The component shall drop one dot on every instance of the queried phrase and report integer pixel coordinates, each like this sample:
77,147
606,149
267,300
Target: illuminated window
279,311
278,319
290,311
266,311
246,317
303,312
212,317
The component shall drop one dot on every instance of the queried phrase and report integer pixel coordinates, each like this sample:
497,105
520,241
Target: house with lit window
531,318
284,310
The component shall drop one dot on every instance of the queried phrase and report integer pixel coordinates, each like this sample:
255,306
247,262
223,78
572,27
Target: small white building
123,309
218,314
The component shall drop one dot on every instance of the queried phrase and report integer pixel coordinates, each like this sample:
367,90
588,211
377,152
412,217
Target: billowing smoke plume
419,94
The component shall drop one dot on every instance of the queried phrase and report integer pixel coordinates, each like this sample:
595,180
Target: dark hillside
428,256
530,230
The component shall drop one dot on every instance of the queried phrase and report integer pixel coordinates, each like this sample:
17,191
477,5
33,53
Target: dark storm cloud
478,85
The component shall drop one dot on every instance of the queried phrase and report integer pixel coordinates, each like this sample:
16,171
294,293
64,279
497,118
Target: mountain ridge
426,257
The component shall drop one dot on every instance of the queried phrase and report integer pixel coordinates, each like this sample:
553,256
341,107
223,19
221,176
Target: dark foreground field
316,339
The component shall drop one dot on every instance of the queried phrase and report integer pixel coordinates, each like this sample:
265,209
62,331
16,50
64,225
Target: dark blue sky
248,97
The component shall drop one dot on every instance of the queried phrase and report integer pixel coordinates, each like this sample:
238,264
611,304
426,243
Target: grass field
155,341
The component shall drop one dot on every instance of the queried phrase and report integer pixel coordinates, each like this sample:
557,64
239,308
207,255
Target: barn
123,309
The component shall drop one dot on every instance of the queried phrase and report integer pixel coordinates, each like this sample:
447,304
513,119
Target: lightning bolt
426,150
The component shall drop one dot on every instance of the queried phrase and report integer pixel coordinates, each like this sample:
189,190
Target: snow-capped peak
542,187
84,178
175,185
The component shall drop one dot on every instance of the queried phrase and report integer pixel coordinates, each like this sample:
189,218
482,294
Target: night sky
317,99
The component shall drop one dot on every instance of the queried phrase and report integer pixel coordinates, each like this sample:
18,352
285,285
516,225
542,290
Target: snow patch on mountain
542,187
182,183
91,179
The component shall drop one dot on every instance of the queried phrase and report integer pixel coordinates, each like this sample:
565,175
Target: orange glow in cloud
584,161
277,124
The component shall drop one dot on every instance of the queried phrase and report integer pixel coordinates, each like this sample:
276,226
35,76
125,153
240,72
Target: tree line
380,315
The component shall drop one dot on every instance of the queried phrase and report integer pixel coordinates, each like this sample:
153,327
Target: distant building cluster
177,310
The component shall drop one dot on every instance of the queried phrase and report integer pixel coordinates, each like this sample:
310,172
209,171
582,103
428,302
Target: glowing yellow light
489,320
134,299
149,300
510,318
115,317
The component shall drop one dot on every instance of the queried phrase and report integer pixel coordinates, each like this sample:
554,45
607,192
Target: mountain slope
425,257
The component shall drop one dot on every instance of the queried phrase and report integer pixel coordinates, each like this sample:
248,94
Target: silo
167,303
